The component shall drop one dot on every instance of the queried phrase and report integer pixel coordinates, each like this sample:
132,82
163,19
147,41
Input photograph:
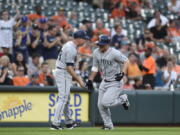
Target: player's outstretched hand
89,85
119,76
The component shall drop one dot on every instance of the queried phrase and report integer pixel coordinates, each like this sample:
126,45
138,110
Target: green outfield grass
93,131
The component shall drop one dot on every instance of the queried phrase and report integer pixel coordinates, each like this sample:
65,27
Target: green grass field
93,131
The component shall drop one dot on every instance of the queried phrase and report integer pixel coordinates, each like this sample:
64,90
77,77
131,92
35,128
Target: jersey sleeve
95,61
70,56
120,58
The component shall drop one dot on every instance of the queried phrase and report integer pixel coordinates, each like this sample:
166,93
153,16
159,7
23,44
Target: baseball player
113,64
63,74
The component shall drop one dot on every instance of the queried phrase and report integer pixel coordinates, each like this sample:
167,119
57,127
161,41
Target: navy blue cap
24,19
81,34
103,40
43,20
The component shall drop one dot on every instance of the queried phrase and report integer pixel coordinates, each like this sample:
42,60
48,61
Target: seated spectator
37,15
159,32
119,36
34,80
36,41
45,76
174,6
176,66
158,77
158,16
5,51
52,43
138,84
19,61
99,30
34,64
169,76
85,50
133,70
22,39
20,79
173,32
5,76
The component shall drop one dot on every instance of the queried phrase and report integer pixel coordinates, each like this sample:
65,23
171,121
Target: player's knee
105,102
63,98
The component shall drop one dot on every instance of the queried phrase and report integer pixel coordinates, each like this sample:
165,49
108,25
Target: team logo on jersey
14,107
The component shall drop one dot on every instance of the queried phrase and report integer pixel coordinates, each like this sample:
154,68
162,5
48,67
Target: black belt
108,81
60,68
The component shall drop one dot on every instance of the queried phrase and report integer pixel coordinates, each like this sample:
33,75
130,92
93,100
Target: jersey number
60,53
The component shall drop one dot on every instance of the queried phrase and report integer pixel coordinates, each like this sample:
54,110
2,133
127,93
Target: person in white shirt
6,29
157,16
174,6
169,76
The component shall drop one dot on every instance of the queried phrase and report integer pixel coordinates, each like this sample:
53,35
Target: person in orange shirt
118,11
37,15
133,70
85,50
20,79
45,77
149,68
99,30
60,19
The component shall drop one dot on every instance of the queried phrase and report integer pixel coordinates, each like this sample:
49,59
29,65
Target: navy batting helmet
103,40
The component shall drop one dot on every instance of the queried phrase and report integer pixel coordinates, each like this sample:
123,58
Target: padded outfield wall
35,106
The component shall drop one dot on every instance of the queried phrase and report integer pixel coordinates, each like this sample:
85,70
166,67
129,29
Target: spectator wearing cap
36,41
60,19
88,24
37,15
34,80
99,30
51,45
6,29
45,76
20,79
43,24
22,40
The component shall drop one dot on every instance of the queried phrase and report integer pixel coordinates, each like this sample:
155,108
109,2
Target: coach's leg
64,89
104,111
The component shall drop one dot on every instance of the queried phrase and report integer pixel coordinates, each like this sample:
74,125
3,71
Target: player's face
103,48
82,41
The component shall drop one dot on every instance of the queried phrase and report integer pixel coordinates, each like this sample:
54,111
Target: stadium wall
34,106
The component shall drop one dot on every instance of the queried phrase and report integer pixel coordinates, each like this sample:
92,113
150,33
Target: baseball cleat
126,103
54,127
107,128
73,125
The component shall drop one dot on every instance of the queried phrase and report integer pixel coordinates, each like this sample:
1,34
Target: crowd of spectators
29,45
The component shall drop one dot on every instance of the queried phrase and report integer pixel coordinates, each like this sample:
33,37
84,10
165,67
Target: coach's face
82,41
